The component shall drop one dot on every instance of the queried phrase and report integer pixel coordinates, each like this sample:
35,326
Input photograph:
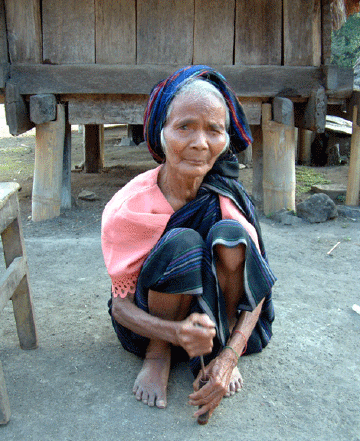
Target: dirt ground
77,384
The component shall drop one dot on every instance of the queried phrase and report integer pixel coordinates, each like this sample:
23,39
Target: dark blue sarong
183,262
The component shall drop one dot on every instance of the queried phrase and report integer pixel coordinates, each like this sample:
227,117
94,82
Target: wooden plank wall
302,33
258,32
23,23
115,32
165,32
68,31
209,38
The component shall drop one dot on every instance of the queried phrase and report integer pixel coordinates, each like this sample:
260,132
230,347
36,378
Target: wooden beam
42,108
283,110
128,109
314,117
16,110
247,81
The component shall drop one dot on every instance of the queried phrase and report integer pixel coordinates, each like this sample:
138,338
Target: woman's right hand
195,334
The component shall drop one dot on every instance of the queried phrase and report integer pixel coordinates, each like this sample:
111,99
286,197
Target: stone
87,195
336,192
126,142
352,213
317,208
286,217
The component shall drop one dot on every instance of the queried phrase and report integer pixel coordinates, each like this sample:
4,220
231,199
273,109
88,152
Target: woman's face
194,134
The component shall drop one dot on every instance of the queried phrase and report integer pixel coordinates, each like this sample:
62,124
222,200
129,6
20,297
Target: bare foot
236,383
151,382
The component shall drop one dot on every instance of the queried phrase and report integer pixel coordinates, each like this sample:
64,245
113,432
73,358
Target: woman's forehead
197,102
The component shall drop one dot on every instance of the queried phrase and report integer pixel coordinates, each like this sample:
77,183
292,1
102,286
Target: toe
151,400
161,403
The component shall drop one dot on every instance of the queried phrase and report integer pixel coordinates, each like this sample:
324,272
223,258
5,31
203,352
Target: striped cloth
183,262
163,93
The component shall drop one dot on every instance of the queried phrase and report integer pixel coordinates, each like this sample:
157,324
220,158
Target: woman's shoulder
138,185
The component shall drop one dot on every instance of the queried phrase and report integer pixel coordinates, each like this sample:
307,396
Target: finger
203,320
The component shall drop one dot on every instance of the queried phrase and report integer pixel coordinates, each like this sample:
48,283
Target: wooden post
94,148
49,148
305,140
279,163
66,176
353,187
257,154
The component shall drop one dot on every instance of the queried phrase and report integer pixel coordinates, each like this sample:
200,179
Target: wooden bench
14,283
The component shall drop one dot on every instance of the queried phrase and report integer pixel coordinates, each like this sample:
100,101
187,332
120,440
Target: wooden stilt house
94,62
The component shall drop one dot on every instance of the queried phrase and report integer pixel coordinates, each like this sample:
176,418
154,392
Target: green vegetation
306,177
345,45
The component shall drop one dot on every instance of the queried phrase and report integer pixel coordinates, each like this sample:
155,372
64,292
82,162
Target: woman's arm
220,369
195,339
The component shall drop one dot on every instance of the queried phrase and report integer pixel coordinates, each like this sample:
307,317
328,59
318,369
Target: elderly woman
183,246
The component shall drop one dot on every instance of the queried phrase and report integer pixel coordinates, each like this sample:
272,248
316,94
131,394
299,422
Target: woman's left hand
219,372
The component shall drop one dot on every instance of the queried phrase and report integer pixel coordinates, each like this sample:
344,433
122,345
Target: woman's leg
173,267
230,264
151,382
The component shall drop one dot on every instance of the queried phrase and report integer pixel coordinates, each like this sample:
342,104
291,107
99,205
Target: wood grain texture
165,31
279,148
3,38
24,30
258,32
47,184
326,29
353,187
302,33
115,31
214,32
68,38
247,81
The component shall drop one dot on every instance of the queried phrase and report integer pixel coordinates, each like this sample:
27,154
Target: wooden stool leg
4,400
23,310
24,315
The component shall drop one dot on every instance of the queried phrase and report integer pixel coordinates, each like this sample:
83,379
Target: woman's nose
200,140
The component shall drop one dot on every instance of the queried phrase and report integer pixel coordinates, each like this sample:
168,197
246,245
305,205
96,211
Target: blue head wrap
163,93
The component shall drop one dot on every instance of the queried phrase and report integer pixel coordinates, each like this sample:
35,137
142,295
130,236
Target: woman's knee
231,258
